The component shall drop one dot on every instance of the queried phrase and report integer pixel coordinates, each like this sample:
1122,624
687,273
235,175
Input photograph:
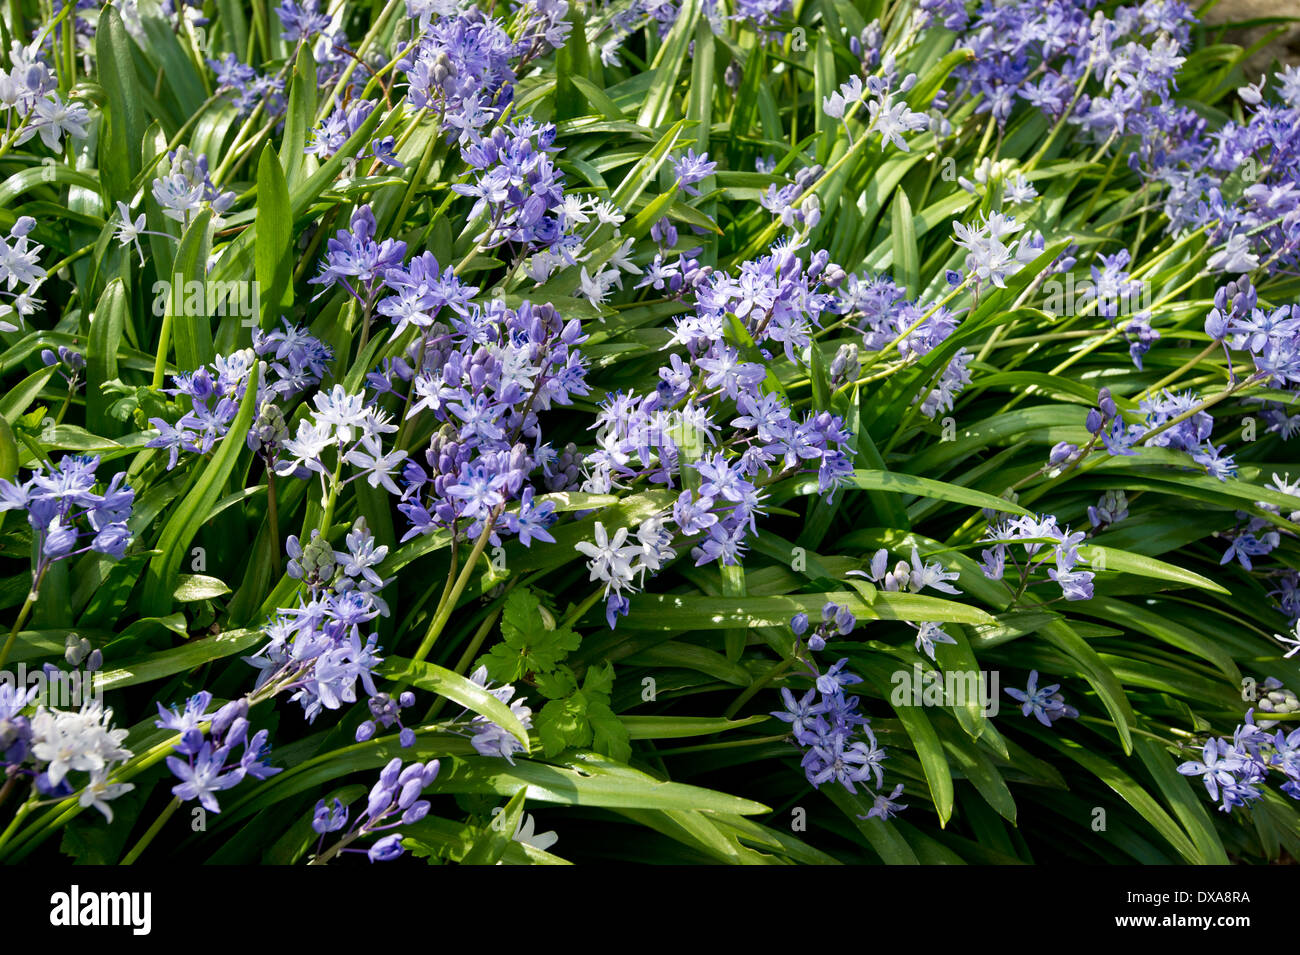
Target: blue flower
1044,703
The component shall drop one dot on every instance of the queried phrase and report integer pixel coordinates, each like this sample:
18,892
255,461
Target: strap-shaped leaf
181,529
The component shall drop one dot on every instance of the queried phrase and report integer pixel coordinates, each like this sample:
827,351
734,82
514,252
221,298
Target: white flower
841,101
99,791
594,289
611,559
654,550
538,840
1234,257
1295,641
892,121
609,214
19,261
930,575
369,458
1017,190
128,233
573,211
340,409
55,117
76,741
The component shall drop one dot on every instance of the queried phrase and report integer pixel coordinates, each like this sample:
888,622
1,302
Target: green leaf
933,761
8,452
532,643
1128,790
900,483
15,404
562,724
164,663
105,340
678,727
1098,675
182,527
492,842
906,267
573,90
273,256
123,118
1125,562
300,116
458,689
667,65
1185,799
688,612
588,779
192,587
674,653
191,324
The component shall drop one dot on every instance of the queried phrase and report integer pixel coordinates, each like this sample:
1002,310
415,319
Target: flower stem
448,602
272,516
130,857
19,816
32,596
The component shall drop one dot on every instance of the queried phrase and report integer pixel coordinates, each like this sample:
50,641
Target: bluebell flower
1044,703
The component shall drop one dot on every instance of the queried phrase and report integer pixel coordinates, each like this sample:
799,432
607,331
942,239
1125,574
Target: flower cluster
913,578
354,260
1238,183
50,744
991,259
879,310
836,620
31,102
246,88
617,562
321,648
461,68
1043,53
1110,509
518,191
187,188
19,266
488,738
386,712
1033,533
394,800
1235,770
888,119
339,126
1175,421
794,203
838,742
206,763
1256,536
294,362
1270,336
69,363
714,423
67,516
484,381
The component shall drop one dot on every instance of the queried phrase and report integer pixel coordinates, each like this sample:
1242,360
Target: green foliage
652,740
532,643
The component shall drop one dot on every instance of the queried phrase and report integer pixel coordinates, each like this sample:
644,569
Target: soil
1283,50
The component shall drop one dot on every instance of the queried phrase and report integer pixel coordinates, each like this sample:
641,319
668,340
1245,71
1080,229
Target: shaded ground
1284,49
